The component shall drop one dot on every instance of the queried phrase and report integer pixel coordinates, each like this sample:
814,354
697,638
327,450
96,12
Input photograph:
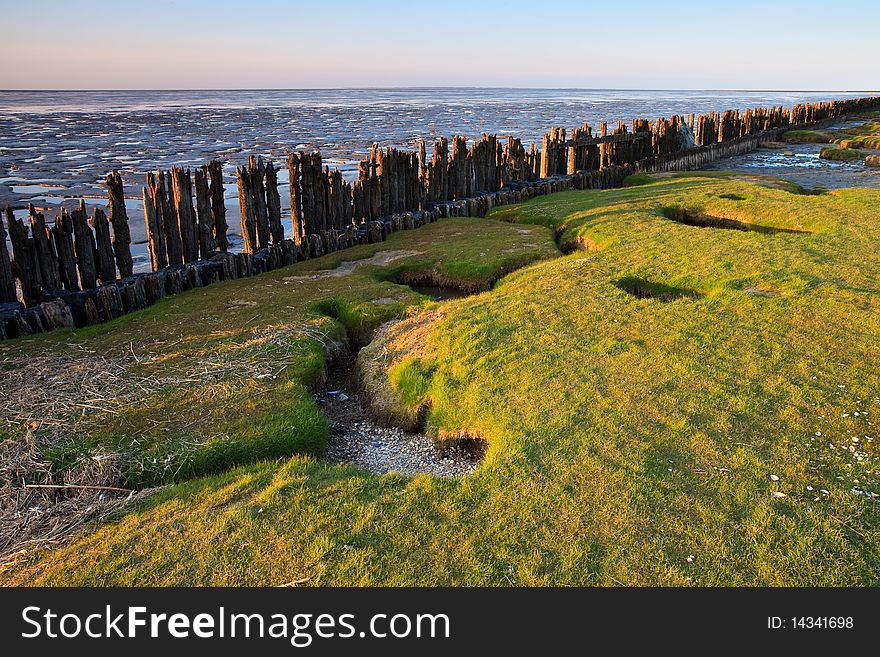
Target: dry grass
50,403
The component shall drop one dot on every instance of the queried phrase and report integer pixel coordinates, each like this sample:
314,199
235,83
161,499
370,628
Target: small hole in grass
579,243
438,293
645,289
794,188
698,219
733,197
428,285
468,448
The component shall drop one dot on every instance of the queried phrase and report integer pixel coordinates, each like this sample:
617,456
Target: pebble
774,478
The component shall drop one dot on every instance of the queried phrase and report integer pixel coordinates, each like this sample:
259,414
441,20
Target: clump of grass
837,154
637,179
871,142
873,161
806,137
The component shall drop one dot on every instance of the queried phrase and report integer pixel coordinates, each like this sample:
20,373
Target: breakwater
78,270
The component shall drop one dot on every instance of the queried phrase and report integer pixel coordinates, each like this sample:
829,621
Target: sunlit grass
632,439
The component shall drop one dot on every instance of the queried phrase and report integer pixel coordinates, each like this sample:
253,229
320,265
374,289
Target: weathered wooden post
218,204
294,167
246,208
84,246
181,187
62,236
155,232
207,241
8,289
119,222
106,267
167,216
44,250
257,190
24,259
273,204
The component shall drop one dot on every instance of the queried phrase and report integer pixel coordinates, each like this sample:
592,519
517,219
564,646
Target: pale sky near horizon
217,44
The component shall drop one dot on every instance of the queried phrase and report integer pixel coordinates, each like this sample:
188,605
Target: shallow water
801,164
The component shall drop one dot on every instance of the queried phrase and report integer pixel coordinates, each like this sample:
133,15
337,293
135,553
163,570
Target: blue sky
159,44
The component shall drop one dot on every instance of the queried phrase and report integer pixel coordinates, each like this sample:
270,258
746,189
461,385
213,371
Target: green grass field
673,403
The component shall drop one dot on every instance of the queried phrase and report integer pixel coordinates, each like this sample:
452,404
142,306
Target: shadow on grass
642,288
699,219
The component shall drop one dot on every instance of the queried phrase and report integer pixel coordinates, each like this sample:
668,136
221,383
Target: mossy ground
631,439
841,154
807,136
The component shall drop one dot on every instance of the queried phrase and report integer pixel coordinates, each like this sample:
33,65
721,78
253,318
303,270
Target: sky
160,44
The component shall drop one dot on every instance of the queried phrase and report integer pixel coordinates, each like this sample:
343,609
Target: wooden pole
106,267
84,246
207,241
155,232
8,291
294,168
44,250
24,259
119,222
62,236
257,190
218,204
246,209
167,217
273,204
187,222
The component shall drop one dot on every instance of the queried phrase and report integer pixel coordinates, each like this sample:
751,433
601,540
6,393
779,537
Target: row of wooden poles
185,211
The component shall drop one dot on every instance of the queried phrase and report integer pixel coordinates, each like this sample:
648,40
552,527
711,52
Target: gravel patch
357,440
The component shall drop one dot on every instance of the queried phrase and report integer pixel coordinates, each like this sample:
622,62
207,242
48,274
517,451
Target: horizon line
443,87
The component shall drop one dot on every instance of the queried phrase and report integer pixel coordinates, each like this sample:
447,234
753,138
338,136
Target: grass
221,376
807,136
839,154
870,142
631,438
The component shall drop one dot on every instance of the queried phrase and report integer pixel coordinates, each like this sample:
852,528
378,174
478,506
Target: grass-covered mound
807,136
838,154
679,404
221,376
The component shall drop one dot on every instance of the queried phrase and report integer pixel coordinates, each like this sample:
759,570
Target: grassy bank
673,403
839,154
221,376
